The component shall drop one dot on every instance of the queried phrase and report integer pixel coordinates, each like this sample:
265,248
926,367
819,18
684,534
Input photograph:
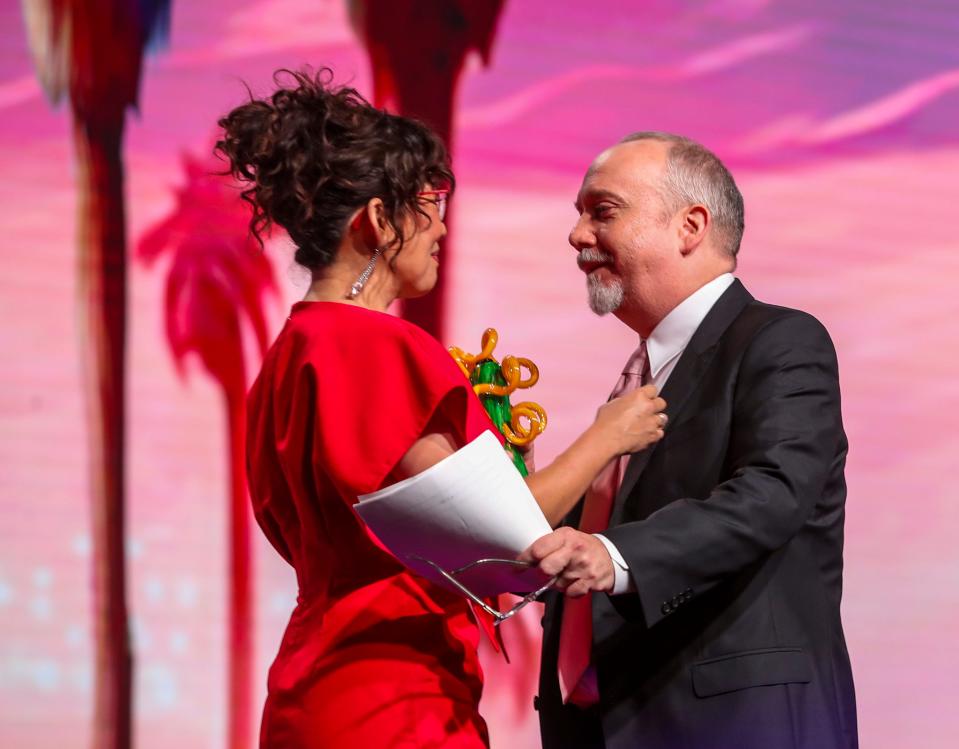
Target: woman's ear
371,221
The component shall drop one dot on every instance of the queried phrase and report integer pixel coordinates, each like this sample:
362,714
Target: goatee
604,297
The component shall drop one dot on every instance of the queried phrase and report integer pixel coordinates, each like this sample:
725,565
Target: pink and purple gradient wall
839,121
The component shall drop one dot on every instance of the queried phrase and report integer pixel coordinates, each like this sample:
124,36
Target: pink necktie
576,631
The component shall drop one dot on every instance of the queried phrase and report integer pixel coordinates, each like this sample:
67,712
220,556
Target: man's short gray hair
694,174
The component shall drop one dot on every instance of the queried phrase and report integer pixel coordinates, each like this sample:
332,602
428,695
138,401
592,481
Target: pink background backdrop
837,119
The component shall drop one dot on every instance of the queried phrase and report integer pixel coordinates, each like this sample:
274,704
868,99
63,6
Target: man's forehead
624,169
599,167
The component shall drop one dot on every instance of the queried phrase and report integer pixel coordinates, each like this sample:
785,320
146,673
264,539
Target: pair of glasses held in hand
498,616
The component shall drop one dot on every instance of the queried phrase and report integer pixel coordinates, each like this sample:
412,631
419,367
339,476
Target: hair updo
311,154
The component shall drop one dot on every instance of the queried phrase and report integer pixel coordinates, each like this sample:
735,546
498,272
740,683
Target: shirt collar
669,339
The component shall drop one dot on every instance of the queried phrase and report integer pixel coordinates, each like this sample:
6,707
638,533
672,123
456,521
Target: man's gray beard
604,297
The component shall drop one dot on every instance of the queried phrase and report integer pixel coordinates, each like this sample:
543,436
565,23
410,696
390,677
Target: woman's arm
561,484
425,453
624,425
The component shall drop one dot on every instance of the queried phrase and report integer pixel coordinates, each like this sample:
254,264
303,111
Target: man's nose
580,235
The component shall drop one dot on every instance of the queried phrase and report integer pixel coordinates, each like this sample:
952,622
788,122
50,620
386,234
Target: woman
351,399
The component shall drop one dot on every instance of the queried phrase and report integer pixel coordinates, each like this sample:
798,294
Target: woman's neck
333,285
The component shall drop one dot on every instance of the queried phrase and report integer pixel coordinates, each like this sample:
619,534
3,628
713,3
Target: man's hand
580,560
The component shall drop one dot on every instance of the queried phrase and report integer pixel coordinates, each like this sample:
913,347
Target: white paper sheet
471,505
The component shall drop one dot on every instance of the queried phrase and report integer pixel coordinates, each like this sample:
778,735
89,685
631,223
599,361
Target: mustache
591,255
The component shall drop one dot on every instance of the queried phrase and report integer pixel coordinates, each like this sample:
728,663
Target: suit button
536,702
666,607
688,592
676,601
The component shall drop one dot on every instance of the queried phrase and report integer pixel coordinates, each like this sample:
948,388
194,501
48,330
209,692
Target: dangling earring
357,287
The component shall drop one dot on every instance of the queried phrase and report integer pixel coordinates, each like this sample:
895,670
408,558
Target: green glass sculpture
494,383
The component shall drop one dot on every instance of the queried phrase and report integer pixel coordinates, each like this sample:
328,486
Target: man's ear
696,222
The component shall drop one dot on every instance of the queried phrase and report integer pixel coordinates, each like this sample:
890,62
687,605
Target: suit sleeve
785,431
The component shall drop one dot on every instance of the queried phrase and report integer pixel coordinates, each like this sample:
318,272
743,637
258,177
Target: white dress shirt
665,345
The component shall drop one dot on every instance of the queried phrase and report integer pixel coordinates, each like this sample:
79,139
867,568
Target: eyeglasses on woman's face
439,198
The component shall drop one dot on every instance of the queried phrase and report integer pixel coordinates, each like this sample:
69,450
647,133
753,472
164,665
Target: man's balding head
694,174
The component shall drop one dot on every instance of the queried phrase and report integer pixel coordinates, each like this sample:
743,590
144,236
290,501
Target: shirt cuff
622,581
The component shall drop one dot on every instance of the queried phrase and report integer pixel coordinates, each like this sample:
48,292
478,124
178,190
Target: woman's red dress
373,655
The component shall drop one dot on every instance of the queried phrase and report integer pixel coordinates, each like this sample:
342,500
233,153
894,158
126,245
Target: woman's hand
529,458
632,421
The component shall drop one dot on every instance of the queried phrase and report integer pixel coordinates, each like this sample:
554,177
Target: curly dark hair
311,154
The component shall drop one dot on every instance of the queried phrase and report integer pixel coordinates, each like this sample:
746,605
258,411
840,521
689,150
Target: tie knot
638,363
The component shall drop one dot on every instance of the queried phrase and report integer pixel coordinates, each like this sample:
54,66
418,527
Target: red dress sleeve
378,388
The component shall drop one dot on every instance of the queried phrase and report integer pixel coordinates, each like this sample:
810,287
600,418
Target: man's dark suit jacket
732,527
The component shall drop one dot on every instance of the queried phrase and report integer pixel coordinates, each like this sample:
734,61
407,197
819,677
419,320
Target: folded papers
471,505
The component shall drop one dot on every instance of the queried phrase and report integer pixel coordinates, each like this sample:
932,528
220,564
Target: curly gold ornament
520,435
494,383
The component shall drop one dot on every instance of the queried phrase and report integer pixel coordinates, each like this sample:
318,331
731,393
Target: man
713,591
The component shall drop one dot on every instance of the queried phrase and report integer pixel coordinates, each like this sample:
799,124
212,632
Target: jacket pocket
753,668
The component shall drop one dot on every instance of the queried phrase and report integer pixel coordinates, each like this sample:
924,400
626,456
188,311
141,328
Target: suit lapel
686,376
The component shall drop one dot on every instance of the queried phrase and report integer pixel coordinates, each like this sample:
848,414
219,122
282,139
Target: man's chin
603,298
600,310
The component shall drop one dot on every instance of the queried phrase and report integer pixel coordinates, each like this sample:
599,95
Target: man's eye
603,211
